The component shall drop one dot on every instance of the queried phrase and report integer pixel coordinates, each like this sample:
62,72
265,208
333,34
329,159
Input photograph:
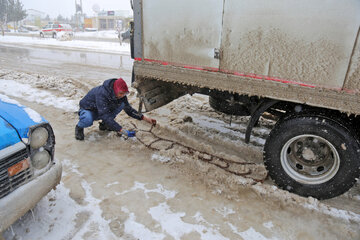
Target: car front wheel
312,155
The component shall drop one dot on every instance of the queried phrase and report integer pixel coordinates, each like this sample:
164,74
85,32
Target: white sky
67,7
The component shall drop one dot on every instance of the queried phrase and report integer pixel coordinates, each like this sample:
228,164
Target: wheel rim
310,159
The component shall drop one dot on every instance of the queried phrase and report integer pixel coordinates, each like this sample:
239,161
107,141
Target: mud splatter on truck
298,61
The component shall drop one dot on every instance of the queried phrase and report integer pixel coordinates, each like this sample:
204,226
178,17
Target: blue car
28,170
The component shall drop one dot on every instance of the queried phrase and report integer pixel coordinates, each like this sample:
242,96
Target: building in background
109,20
90,23
33,17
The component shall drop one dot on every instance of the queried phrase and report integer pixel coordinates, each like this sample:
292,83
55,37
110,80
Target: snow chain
225,164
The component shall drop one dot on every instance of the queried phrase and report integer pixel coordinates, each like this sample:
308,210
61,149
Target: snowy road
82,65
118,189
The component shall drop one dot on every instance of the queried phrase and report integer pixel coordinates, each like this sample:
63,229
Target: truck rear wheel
225,106
312,155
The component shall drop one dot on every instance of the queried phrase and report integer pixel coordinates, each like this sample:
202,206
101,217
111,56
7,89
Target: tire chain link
191,152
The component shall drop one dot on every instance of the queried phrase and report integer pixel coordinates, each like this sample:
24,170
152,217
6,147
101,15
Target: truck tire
54,35
224,106
312,155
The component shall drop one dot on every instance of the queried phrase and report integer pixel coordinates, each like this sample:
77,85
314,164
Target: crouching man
104,103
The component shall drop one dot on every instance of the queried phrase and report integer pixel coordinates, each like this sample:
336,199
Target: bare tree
3,14
60,18
15,12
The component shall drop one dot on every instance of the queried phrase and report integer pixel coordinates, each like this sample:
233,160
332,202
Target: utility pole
78,14
81,8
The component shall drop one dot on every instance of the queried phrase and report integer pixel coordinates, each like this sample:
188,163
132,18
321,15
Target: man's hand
150,120
127,133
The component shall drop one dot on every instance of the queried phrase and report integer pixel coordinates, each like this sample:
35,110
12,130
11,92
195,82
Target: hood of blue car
8,135
15,121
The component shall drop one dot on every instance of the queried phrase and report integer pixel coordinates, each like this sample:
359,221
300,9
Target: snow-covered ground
98,34
105,34
117,189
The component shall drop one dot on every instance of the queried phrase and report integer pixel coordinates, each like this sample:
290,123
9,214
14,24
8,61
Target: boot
103,127
79,133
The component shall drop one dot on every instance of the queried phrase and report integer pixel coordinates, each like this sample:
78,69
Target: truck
297,60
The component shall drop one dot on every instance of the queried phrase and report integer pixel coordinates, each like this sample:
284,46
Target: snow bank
28,93
109,34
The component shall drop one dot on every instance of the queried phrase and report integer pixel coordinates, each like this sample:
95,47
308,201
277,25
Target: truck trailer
298,60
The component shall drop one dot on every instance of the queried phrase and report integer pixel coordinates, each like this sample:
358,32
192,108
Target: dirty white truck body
298,59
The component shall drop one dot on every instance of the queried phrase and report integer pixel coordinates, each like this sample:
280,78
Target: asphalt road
71,63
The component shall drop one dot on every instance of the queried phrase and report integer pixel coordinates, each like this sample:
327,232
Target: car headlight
40,159
41,147
39,137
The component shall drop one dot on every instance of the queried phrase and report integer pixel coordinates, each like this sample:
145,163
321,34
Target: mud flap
154,93
256,114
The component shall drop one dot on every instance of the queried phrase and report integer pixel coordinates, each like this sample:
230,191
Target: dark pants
87,117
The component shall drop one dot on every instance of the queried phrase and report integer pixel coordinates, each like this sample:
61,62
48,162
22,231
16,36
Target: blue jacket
102,101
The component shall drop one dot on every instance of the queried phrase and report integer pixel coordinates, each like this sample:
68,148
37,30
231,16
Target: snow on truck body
28,170
299,60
